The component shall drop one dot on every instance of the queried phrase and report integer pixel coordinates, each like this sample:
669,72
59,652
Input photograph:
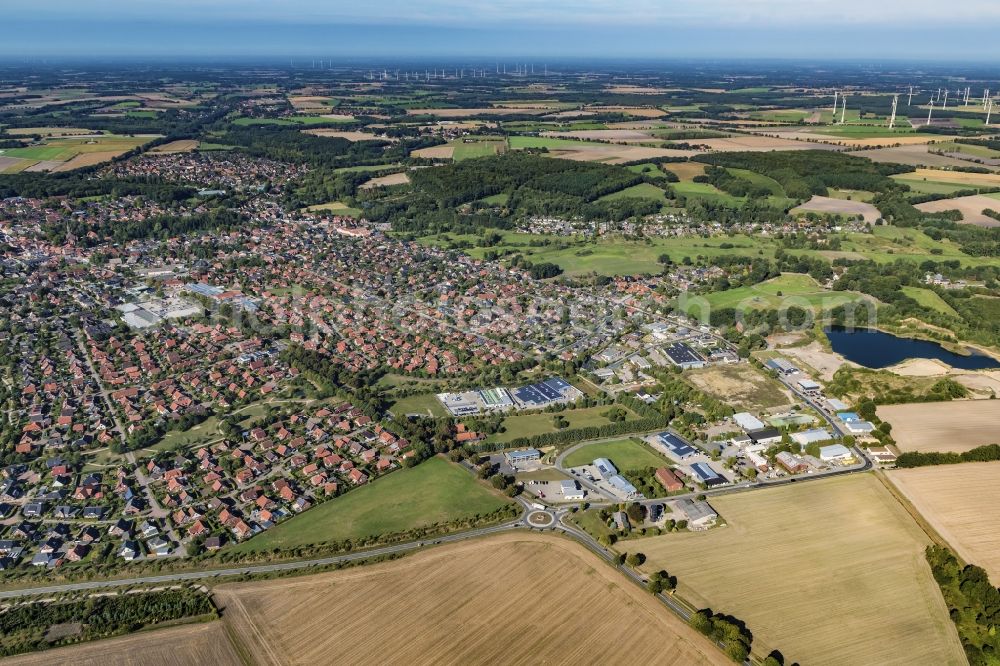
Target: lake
875,349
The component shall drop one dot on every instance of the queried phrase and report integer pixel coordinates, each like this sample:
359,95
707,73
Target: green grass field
848,131
527,425
420,403
787,289
920,186
435,491
465,151
624,453
705,191
640,191
929,299
336,207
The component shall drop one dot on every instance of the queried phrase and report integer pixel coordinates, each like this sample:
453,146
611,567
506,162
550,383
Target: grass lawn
527,425
624,453
421,403
465,151
705,191
930,299
434,491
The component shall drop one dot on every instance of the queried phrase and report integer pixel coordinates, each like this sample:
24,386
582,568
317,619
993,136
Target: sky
598,29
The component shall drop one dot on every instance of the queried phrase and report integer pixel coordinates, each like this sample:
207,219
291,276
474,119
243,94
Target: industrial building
707,475
748,421
700,515
523,456
766,436
570,491
781,366
682,355
605,467
676,447
807,437
668,480
835,453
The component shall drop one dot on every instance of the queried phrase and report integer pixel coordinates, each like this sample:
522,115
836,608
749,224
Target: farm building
700,515
707,475
748,421
807,437
570,491
668,480
605,467
765,436
682,355
835,453
676,447
792,462
523,456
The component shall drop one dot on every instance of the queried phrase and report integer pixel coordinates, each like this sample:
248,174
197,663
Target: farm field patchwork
832,571
952,498
432,492
943,426
63,154
497,599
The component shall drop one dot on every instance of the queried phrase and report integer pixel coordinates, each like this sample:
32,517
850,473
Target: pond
875,349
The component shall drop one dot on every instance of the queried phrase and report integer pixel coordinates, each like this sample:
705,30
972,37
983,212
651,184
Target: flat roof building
748,421
707,475
605,467
834,453
807,437
682,355
524,455
676,446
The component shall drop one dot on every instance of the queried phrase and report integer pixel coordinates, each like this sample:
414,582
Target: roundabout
540,519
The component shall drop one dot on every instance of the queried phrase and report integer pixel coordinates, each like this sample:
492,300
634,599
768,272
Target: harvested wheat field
445,152
349,135
956,426
614,135
914,155
204,643
616,154
951,498
87,159
959,177
179,146
488,111
761,144
844,207
970,207
511,599
385,181
828,572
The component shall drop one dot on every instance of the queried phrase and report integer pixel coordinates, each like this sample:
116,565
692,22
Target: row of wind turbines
840,98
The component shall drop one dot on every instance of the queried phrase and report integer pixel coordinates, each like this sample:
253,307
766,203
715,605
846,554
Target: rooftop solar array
676,445
680,354
707,474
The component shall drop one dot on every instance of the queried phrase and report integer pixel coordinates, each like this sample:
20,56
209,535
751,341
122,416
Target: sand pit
843,207
971,207
952,498
956,426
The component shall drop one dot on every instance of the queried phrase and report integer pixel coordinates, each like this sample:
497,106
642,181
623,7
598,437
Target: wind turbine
843,109
930,111
892,118
910,99
989,111
945,106
835,105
